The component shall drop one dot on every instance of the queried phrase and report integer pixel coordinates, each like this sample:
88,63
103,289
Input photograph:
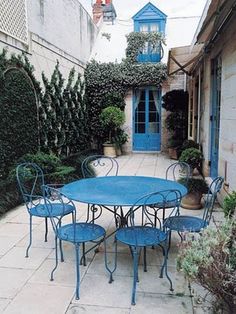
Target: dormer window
150,19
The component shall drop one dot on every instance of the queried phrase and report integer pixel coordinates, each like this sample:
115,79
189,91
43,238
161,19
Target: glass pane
153,114
144,28
154,27
141,128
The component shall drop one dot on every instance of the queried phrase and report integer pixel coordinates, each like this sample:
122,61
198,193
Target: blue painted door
146,117
215,114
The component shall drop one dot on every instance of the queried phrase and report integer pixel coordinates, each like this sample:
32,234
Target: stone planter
192,201
172,151
109,150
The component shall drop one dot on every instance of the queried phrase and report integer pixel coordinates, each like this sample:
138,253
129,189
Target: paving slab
15,258
38,299
90,309
12,280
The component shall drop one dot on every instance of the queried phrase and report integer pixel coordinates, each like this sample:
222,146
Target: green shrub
197,185
111,118
210,261
229,204
192,156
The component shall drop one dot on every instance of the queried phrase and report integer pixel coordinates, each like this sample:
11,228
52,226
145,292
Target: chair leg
77,271
30,241
164,267
60,245
46,230
111,271
56,256
145,259
83,258
135,270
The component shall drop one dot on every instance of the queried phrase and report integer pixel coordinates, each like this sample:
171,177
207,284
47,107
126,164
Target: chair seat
140,236
80,232
57,210
185,223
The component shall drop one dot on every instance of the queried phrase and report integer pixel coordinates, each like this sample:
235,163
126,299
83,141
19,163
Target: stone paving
24,282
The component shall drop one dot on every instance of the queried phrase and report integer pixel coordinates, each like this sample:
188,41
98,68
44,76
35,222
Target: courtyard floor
24,282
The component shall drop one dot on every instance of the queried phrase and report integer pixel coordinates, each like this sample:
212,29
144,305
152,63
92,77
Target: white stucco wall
58,30
227,141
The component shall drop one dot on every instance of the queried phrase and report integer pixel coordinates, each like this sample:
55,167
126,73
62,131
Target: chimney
97,11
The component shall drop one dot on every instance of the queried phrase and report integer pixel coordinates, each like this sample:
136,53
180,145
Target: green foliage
192,156
197,185
229,204
189,144
210,260
18,110
136,42
121,137
106,81
111,118
176,102
63,117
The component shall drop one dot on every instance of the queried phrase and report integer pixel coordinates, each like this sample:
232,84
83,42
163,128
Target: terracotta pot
109,150
118,151
192,201
172,153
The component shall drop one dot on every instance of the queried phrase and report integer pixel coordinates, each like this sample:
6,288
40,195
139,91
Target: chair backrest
141,213
214,188
54,197
30,179
99,165
177,171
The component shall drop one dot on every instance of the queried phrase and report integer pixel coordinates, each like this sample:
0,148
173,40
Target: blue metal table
118,191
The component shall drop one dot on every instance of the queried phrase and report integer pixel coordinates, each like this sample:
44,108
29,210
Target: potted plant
111,118
120,139
176,104
210,260
196,188
193,157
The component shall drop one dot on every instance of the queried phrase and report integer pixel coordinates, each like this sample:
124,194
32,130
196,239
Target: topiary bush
111,118
193,157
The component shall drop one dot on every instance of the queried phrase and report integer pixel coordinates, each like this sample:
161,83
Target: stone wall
58,30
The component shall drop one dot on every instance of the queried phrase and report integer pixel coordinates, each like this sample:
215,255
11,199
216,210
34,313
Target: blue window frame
150,19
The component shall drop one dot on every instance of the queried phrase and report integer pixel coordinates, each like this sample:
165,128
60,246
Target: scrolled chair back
141,212
55,198
30,179
213,189
99,165
178,170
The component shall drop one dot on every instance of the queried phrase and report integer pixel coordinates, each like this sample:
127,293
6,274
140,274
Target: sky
172,8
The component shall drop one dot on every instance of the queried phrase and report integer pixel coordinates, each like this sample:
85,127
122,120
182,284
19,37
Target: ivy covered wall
107,83
52,119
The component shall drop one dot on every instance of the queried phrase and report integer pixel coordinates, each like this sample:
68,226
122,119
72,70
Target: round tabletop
117,190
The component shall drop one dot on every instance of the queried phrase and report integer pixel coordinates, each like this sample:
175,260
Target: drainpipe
199,106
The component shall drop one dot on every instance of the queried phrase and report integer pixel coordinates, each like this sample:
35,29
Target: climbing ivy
136,42
18,110
107,83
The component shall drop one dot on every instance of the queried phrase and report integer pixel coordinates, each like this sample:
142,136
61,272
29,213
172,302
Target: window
150,53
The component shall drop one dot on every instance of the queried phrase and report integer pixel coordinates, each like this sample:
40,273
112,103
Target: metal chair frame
184,223
96,161
178,170
76,232
141,233
30,179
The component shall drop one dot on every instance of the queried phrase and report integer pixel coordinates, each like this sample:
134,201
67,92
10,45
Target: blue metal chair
184,223
174,172
178,170
30,179
97,165
76,232
141,233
